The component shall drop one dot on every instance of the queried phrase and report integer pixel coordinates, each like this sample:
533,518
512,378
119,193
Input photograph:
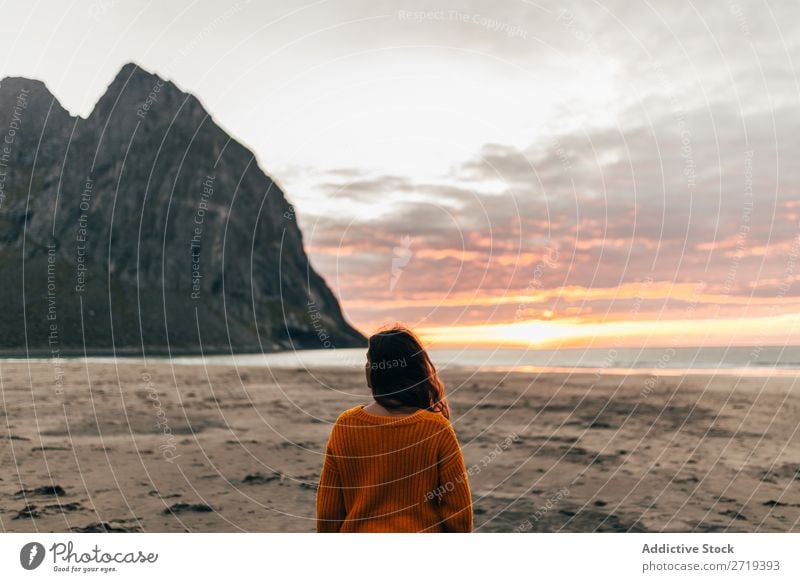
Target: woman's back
393,474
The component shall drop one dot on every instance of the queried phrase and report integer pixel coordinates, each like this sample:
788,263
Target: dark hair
400,373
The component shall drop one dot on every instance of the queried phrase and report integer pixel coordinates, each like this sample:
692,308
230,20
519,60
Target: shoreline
758,371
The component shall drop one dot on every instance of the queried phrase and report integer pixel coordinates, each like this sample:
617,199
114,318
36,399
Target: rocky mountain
147,228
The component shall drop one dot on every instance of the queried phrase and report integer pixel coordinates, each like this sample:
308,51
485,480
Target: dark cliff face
146,226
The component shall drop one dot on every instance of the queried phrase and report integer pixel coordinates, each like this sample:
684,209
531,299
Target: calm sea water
667,361
750,361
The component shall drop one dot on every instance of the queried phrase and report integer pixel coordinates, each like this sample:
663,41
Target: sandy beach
155,448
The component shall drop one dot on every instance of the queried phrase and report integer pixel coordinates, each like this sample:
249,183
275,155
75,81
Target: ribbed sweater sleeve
331,509
455,502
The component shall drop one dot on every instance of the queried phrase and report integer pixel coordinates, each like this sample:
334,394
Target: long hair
401,373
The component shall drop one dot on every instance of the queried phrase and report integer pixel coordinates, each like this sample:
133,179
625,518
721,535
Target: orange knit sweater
393,474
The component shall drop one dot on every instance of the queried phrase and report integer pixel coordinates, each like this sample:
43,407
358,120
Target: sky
495,173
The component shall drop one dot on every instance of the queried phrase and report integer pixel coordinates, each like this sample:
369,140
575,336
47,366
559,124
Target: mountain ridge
149,164
127,68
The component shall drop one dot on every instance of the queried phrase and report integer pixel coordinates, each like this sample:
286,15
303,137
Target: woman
395,465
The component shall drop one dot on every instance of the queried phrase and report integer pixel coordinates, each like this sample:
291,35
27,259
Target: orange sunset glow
570,333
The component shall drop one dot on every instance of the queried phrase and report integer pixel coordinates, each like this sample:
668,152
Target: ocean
666,361
750,361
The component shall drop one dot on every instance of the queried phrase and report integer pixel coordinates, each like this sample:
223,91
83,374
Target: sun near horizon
575,333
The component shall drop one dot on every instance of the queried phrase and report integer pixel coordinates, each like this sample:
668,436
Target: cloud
712,205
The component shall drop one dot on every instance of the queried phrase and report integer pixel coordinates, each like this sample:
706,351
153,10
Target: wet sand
130,447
